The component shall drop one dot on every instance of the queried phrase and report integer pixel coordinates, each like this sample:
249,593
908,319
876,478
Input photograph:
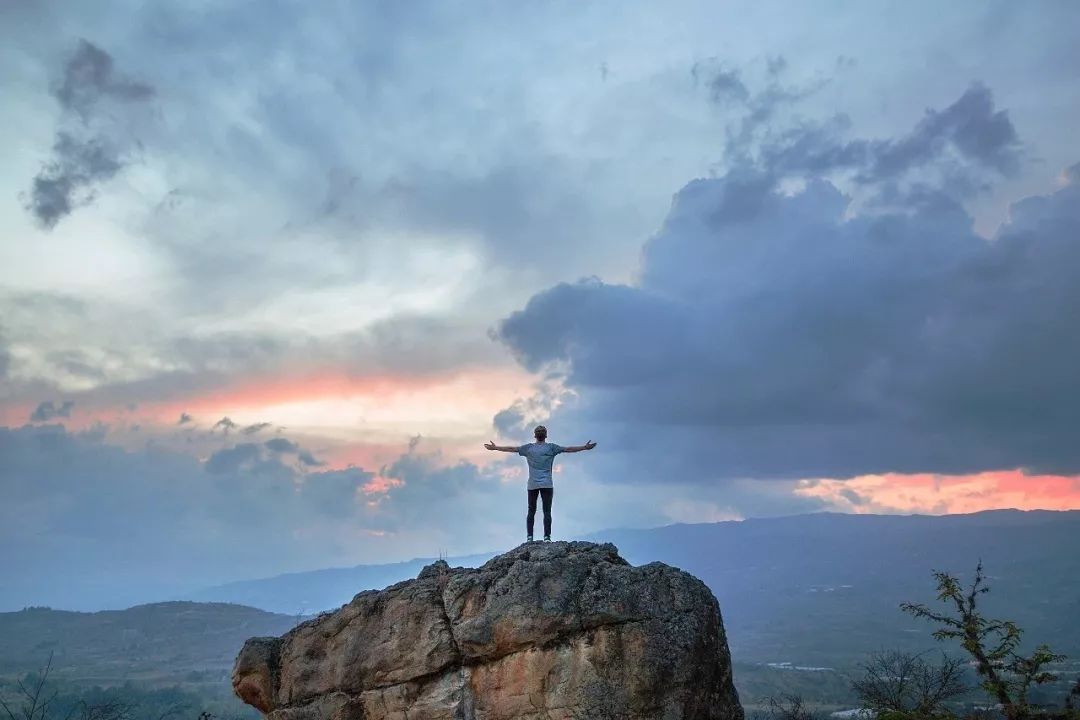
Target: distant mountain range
305,593
800,595
814,590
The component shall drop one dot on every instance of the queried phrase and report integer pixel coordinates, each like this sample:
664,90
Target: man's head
540,433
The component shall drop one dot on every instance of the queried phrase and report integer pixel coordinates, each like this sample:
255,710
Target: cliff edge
546,631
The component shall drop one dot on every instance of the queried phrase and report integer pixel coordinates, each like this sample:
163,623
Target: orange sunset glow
942,494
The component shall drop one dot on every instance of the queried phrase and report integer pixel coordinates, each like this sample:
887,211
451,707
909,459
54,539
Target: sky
271,273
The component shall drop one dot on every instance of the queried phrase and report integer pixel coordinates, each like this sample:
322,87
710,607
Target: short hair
540,430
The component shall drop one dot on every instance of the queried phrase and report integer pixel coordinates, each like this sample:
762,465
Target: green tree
1005,674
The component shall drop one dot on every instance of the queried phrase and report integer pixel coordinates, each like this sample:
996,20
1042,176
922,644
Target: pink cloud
380,485
941,494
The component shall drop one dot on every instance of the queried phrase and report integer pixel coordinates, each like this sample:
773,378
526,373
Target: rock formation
545,631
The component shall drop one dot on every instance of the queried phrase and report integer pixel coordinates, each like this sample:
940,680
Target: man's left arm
578,448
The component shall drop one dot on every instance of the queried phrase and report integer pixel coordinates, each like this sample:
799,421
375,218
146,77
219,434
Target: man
540,456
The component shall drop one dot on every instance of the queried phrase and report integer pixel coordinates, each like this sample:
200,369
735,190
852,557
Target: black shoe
529,539
547,538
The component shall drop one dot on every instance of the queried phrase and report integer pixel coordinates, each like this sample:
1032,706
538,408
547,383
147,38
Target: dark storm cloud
47,410
91,146
771,335
971,125
77,165
962,142
760,108
955,146
90,76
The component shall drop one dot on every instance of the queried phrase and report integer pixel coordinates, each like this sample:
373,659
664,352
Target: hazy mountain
823,589
194,642
815,590
317,590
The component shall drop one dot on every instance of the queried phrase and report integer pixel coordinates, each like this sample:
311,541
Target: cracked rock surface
547,631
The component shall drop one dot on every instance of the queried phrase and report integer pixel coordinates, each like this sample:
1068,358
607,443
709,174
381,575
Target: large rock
551,631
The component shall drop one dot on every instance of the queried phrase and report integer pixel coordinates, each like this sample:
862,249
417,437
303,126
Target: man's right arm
501,448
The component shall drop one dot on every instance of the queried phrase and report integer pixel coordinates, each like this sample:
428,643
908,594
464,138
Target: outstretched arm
501,448
578,448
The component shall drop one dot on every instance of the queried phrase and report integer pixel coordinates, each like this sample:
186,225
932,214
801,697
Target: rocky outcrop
545,631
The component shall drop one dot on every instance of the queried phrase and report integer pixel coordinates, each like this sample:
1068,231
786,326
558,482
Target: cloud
250,457
184,419
520,418
281,445
787,335
1072,173
724,83
106,355
47,410
225,424
80,513
89,78
5,359
951,149
971,127
231,460
77,165
256,428
92,145
961,149
305,458
309,193
958,144
87,525
424,486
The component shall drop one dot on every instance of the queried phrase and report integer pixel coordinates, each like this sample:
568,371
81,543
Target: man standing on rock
541,456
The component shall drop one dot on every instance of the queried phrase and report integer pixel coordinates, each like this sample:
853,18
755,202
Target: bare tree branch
894,681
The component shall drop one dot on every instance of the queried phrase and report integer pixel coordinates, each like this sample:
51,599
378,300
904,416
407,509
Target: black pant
546,494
